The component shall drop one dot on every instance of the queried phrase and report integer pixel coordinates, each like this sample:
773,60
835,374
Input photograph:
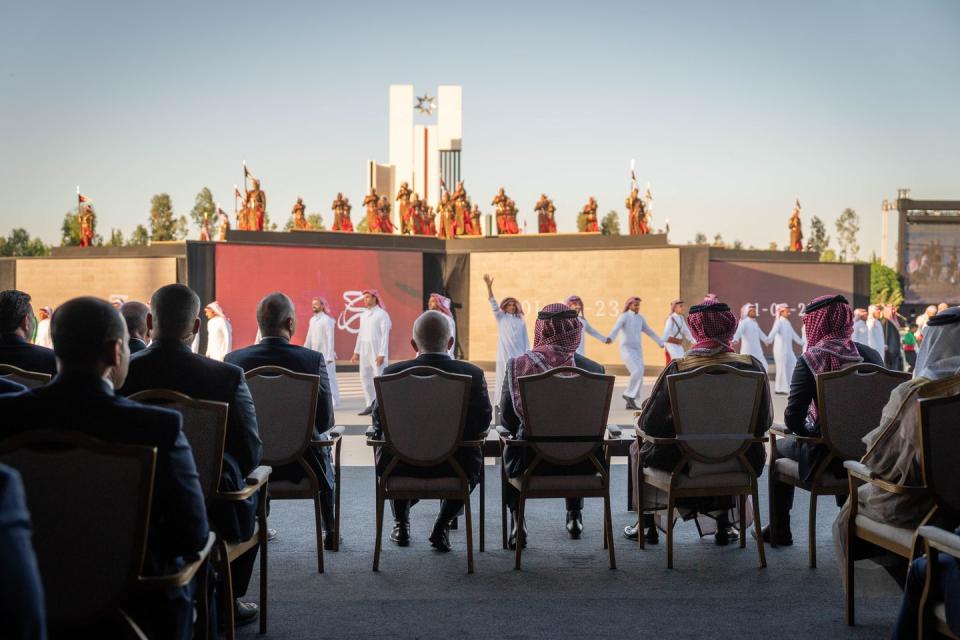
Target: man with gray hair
432,341
135,315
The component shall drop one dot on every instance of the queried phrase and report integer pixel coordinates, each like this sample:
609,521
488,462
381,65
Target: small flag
236,192
82,198
633,173
647,195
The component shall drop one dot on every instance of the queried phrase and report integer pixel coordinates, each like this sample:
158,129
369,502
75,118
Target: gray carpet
565,589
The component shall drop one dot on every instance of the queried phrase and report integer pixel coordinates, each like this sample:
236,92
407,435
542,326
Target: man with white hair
432,342
373,345
321,335
219,332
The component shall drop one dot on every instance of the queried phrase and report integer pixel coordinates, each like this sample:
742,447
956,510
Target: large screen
246,273
931,272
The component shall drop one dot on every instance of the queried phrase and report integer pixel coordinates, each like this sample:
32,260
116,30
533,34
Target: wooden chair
286,404
933,613
74,485
205,426
423,434
850,402
939,417
29,379
715,418
565,420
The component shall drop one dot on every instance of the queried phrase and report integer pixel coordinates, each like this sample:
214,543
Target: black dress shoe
245,613
400,535
440,537
779,540
328,540
725,535
366,411
271,535
650,536
512,538
575,524
455,524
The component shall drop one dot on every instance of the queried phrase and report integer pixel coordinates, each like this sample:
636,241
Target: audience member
713,326
433,342
16,331
556,337
135,315
90,340
860,333
168,363
892,357
21,591
946,589
828,321
277,320
910,347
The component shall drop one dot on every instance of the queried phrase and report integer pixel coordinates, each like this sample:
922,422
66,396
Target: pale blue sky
730,108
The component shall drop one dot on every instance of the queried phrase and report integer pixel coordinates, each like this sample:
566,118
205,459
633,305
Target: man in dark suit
16,331
9,386
432,341
91,345
21,591
135,315
168,363
277,319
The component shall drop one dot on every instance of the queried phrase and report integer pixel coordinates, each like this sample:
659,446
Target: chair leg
670,530
608,529
521,539
848,582
771,504
756,526
336,495
228,599
638,491
743,520
379,542
319,519
812,531
503,508
483,508
201,626
469,520
263,563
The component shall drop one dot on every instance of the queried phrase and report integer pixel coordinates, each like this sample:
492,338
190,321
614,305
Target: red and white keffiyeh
516,304
828,321
630,301
375,294
712,325
556,336
443,303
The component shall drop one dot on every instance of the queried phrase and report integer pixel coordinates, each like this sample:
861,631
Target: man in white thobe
512,339
629,326
219,332
373,344
576,303
44,339
783,335
675,331
321,336
875,339
444,305
860,327
750,334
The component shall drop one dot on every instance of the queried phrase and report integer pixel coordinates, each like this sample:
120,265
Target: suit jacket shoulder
585,363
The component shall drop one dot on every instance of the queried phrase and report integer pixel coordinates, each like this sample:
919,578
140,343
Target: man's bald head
135,315
174,311
277,316
431,332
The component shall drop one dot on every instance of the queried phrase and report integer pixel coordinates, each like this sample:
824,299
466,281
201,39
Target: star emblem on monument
425,105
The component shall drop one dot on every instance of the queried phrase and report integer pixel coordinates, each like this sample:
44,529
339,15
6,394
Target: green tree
116,238
773,247
163,224
610,224
362,225
315,220
19,243
70,230
848,224
700,238
718,241
818,241
204,208
738,244
140,237
885,285
828,255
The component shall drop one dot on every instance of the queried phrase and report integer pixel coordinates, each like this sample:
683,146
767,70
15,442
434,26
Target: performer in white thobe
875,338
321,336
675,331
219,332
576,303
512,338
373,345
860,327
444,305
44,339
629,326
783,335
750,334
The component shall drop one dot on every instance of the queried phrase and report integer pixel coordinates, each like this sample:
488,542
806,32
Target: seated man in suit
90,340
17,325
21,592
277,320
556,337
135,315
945,588
433,342
168,363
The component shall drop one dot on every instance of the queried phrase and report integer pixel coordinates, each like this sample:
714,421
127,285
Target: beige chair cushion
409,483
898,535
791,469
661,478
561,483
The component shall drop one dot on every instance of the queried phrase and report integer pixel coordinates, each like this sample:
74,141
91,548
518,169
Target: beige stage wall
604,279
52,281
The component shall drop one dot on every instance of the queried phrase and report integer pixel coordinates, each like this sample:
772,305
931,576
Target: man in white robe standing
373,346
875,338
629,326
512,339
860,327
44,339
675,331
219,332
444,305
321,335
783,335
576,303
750,334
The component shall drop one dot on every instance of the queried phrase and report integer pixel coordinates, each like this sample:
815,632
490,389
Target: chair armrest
654,440
259,475
483,435
865,474
780,431
334,434
185,575
370,432
859,470
614,430
472,443
254,482
336,431
376,443
512,442
941,539
503,431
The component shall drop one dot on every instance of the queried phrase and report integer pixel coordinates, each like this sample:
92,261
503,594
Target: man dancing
219,332
675,330
321,335
629,326
512,339
750,334
546,223
576,303
372,203
373,344
341,214
588,216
